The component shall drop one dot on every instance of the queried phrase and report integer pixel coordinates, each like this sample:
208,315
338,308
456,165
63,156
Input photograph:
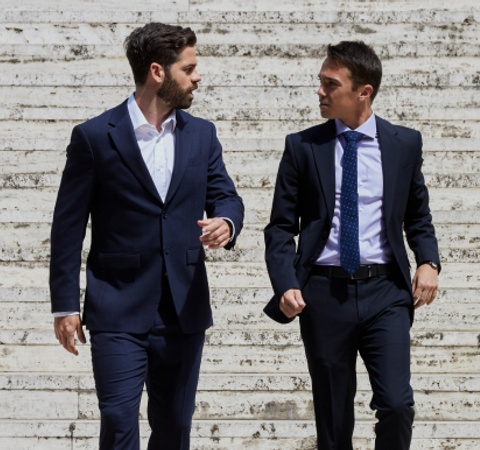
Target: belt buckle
359,277
369,271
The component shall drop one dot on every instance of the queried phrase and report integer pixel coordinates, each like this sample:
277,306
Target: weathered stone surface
62,62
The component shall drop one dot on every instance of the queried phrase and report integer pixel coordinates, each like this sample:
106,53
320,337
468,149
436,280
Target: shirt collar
139,121
368,128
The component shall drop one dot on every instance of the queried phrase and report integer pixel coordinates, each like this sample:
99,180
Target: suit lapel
390,153
324,155
183,146
123,136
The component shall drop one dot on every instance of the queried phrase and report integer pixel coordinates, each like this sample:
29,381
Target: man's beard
171,93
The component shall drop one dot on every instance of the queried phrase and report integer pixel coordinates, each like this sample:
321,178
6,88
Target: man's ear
157,72
366,91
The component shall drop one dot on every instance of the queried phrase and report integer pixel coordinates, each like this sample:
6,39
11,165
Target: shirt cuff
232,228
65,313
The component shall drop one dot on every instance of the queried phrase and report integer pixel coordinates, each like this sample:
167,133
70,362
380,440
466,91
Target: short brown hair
155,42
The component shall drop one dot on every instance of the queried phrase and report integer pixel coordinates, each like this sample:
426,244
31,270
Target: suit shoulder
398,129
312,133
406,131
193,120
97,122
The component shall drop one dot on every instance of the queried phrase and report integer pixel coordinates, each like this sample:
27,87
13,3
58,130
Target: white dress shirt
374,247
157,147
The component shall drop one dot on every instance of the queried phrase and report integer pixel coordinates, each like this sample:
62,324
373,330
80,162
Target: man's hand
65,329
424,285
292,303
215,233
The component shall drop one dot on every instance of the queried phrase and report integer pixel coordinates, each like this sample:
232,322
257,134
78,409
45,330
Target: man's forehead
186,55
333,70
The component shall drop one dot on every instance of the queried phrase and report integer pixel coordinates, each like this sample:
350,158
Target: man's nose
196,78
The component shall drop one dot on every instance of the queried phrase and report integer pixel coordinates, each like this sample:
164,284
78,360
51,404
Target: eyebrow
189,66
320,77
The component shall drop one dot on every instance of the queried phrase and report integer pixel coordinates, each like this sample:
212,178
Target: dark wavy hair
362,61
155,42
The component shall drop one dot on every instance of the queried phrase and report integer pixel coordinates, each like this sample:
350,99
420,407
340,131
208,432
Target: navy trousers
344,318
168,361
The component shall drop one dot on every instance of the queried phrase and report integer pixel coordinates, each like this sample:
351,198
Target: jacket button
167,251
165,215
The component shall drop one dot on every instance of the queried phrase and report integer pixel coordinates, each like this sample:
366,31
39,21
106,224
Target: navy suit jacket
304,202
135,236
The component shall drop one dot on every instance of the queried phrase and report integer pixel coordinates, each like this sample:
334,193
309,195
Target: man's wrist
433,264
231,225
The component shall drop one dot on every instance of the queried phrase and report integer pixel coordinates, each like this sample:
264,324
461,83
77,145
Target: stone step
229,274
255,34
256,102
255,297
450,150
299,11
242,178
31,243
38,331
307,111
236,382
26,205
35,238
265,129
232,405
225,435
66,51
115,78
234,359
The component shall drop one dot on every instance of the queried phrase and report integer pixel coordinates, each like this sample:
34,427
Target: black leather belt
364,272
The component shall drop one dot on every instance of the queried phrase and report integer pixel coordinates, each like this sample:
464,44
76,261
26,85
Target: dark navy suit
334,329
145,267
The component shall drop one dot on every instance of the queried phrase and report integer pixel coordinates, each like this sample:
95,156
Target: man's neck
153,108
354,122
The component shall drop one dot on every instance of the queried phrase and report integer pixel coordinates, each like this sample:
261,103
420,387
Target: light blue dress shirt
374,247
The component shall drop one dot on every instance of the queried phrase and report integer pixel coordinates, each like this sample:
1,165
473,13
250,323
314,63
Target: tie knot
353,136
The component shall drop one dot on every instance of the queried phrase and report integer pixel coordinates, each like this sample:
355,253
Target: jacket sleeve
419,230
280,233
69,224
222,198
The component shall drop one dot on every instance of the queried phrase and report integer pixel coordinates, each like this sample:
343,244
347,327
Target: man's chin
325,113
184,106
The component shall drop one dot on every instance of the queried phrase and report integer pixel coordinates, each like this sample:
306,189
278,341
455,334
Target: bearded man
152,181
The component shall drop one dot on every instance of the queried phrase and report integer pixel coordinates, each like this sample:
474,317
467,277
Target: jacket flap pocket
195,255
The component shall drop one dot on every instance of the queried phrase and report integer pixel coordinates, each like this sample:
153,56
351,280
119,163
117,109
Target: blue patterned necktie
349,248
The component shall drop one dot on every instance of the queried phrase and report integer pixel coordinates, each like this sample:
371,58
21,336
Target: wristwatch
432,264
